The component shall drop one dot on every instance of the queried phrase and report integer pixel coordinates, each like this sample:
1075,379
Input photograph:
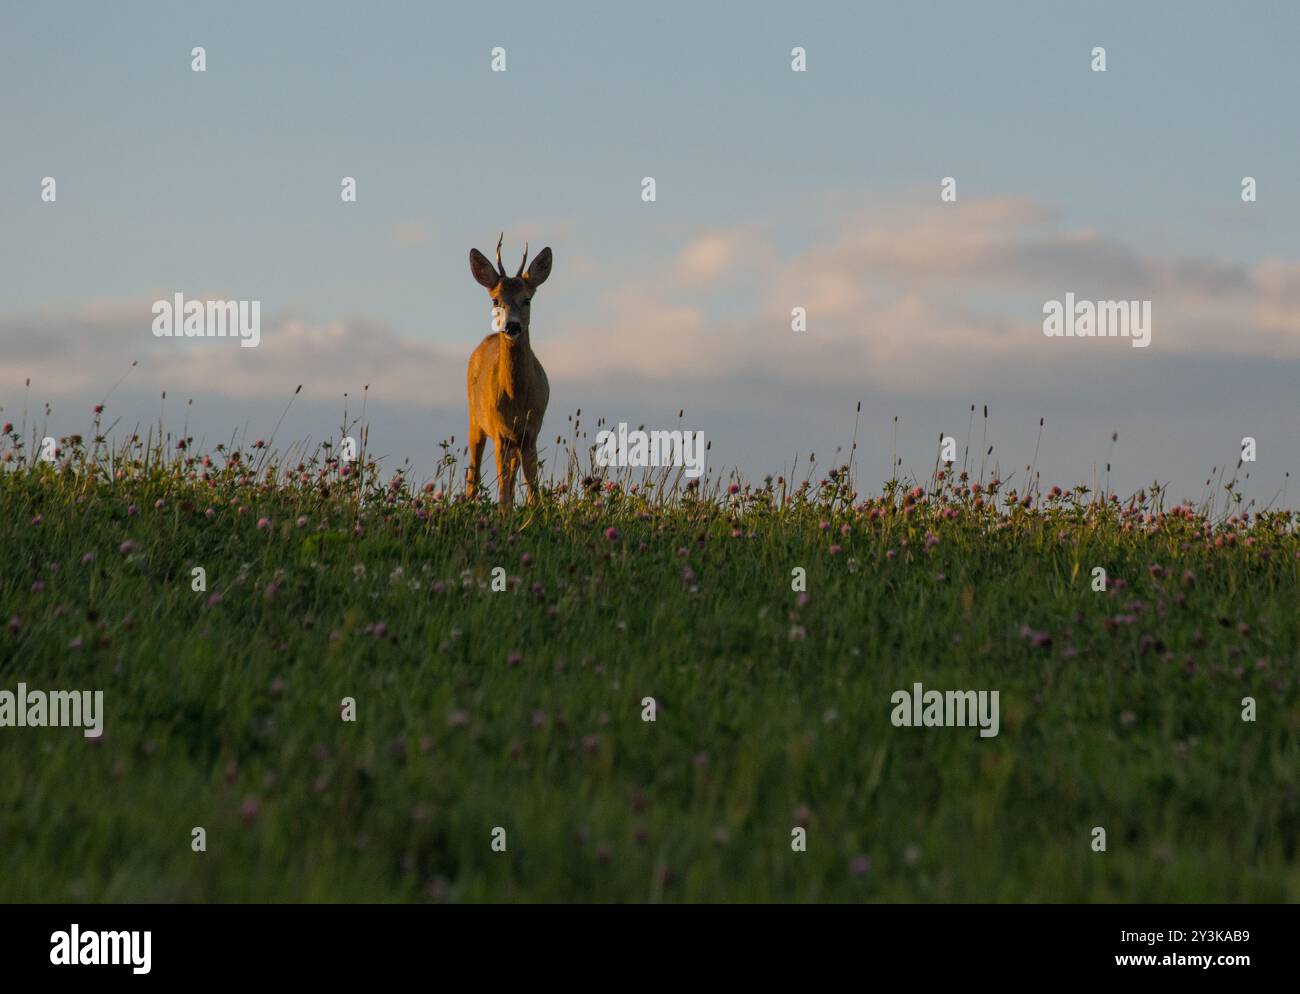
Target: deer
508,389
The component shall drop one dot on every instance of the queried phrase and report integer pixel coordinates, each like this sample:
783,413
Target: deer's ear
484,272
539,268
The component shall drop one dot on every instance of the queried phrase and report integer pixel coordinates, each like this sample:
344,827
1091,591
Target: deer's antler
523,263
501,270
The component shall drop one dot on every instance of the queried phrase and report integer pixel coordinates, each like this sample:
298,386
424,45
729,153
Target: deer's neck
513,365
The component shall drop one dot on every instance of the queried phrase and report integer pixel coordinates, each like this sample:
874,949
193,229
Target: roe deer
507,385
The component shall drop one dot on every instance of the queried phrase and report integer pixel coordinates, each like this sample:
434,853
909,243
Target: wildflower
1039,640
1112,624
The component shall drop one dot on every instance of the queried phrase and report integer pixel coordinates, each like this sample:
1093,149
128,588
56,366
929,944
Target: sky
774,190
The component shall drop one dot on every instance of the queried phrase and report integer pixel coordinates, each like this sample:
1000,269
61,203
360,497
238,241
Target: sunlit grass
523,708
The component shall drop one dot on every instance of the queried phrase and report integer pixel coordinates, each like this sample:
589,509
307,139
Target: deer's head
510,294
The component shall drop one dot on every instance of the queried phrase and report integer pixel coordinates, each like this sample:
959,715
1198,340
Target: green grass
771,712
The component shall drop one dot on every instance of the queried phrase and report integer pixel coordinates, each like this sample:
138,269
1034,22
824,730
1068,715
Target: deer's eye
523,303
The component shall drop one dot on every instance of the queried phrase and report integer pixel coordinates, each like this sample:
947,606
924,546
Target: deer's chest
515,404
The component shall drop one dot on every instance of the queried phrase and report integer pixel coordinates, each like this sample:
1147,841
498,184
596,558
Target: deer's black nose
513,328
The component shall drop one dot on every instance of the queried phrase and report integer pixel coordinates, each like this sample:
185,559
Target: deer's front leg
530,469
477,439
507,464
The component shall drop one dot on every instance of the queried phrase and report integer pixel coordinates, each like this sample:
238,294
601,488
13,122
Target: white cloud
907,297
83,354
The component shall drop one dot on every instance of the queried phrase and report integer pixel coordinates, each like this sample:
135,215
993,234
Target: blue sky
227,182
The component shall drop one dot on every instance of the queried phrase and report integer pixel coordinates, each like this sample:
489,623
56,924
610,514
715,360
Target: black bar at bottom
335,943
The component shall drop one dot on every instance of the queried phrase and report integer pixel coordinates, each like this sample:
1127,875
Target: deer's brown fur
508,390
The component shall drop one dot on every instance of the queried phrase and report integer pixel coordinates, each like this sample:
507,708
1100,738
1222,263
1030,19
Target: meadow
524,708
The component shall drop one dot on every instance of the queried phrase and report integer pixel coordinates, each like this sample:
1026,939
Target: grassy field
523,708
